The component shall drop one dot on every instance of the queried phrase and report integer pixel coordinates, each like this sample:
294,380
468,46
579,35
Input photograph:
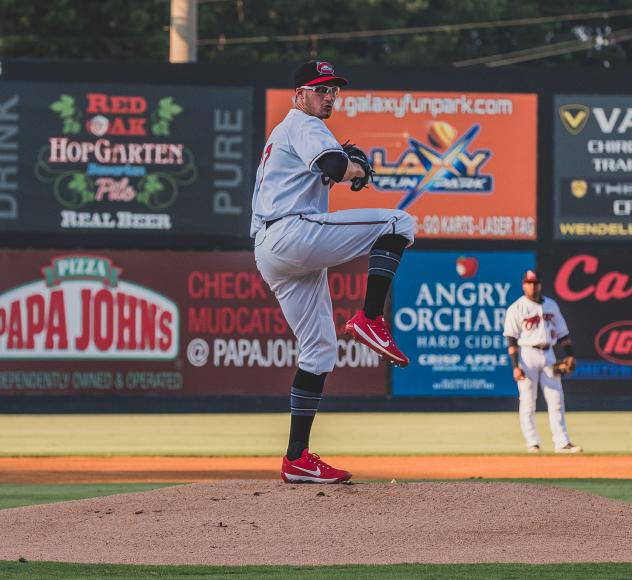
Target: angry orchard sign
81,309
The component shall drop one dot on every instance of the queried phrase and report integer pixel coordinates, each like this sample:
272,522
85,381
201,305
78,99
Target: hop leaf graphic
167,110
160,128
65,108
152,184
81,185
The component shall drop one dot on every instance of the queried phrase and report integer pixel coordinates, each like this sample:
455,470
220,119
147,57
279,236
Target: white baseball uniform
293,254
537,326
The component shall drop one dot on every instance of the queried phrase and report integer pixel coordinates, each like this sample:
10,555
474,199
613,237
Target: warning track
143,469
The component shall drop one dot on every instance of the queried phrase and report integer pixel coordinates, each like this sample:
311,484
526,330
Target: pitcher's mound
263,522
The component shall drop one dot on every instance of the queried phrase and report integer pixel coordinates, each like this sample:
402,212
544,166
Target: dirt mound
264,522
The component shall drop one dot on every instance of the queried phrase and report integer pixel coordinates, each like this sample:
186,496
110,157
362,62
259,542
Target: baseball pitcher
296,240
533,325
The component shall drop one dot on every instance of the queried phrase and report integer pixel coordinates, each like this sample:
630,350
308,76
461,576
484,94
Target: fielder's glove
356,155
564,366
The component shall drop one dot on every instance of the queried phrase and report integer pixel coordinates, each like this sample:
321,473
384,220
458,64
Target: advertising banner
594,292
448,316
463,163
593,167
147,159
189,323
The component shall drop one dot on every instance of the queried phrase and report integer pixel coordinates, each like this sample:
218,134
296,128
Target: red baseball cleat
310,468
376,336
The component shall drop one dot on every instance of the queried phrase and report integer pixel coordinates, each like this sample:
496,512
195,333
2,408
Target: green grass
265,434
28,570
16,495
612,488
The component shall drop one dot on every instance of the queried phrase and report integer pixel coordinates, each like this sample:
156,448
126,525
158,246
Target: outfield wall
124,214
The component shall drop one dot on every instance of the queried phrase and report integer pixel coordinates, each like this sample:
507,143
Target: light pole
183,31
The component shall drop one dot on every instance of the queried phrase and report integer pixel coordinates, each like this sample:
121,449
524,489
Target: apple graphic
466,267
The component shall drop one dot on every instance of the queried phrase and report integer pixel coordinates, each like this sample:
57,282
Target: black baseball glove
564,366
358,156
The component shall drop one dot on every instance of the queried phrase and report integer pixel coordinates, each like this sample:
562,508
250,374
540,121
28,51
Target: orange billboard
463,163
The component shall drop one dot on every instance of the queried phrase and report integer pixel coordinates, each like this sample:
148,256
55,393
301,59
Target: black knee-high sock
384,259
305,397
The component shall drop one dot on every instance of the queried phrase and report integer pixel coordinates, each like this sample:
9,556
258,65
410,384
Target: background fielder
296,240
533,325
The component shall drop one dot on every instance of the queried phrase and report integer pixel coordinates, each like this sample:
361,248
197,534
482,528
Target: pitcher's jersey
288,180
533,323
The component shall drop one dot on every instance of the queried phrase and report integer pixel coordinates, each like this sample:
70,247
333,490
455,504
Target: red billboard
172,323
593,290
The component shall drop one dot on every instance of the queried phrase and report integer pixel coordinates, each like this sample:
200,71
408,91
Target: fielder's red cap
531,276
316,72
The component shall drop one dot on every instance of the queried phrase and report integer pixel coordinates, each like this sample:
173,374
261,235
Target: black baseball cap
531,276
317,72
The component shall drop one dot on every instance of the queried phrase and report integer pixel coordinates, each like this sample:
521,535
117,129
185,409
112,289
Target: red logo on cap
530,276
325,68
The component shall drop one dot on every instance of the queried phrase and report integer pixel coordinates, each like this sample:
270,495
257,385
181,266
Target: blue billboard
448,314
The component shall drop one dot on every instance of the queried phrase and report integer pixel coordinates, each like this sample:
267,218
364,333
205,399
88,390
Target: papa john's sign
161,323
82,309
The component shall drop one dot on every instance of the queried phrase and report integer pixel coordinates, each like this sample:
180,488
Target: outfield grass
265,434
612,488
15,495
32,570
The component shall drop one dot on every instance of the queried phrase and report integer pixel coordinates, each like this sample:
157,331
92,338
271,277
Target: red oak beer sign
126,159
82,309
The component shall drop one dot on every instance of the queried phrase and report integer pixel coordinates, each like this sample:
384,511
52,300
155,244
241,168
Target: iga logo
614,342
82,310
446,167
466,267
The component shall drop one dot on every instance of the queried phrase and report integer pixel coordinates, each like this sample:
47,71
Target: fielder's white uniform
293,254
537,327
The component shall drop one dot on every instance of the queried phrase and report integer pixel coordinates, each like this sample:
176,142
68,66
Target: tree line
280,31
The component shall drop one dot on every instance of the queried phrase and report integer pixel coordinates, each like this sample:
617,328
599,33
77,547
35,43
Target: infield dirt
157,469
234,522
